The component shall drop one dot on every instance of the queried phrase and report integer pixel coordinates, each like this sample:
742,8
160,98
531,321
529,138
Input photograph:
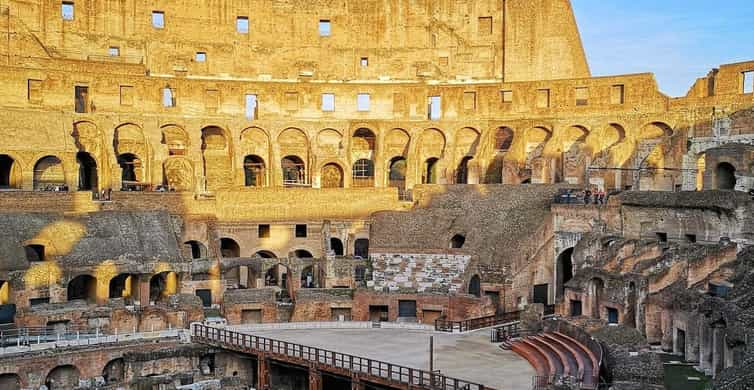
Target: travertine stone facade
420,272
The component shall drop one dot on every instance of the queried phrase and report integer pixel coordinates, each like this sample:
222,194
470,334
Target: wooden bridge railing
413,377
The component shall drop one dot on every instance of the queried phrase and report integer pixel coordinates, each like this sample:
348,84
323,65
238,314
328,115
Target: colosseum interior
363,195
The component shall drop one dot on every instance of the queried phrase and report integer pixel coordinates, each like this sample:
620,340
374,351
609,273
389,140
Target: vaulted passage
564,270
82,287
254,171
88,179
726,176
9,172
48,174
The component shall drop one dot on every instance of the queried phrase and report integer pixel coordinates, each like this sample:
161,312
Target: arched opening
130,167
430,171
302,254
87,171
457,241
10,382
196,248
332,176
597,287
564,271
121,286
163,285
9,175
49,175
475,286
363,140
265,255
229,248
277,276
361,248
725,174
5,298
114,371
216,158
363,173
82,287
311,277
397,177
34,253
63,378
462,173
503,139
336,246
254,171
294,171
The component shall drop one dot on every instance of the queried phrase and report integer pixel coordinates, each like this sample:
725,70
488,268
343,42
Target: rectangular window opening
242,24
582,96
435,108
691,238
507,96
158,19
34,93
748,81
301,231
168,97
485,25
67,10
251,107
114,51
363,102
543,98
328,102
325,28
126,95
617,94
364,62
201,56
469,101
82,99
264,231
662,237
576,308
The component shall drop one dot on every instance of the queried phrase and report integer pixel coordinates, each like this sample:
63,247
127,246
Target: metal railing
547,382
244,342
11,335
442,325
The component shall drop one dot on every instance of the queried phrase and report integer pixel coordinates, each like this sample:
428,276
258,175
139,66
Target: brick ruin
366,161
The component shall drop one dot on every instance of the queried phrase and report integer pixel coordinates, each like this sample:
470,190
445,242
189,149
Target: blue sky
676,40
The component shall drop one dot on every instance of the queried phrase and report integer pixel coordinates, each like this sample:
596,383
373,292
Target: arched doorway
163,285
63,378
363,173
462,174
362,151
332,176
397,176
87,172
114,371
294,171
475,286
336,246
302,254
361,248
254,171
49,175
121,286
564,271
430,171
229,248
265,255
725,175
130,167
10,382
196,248
9,172
457,241
82,287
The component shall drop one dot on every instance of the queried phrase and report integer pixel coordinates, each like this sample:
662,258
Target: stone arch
397,171
656,129
363,144
362,173
178,173
82,287
466,149
175,139
475,286
725,176
294,142
294,170
88,178
336,245
87,137
331,176
603,138
10,172
457,241
255,140
132,172
163,285
216,158
255,171
10,381
302,254
63,378
430,173
564,271
397,142
329,143
265,254
229,248
122,286
432,144
48,174
129,139
114,371
536,168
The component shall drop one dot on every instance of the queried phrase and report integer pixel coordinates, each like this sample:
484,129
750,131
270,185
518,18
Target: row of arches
85,287
67,376
229,248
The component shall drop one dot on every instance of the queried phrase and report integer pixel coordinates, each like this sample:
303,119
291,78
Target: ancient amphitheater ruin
363,195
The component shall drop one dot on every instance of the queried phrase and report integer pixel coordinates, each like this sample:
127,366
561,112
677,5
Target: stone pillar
718,350
141,290
705,347
315,379
263,373
356,383
667,331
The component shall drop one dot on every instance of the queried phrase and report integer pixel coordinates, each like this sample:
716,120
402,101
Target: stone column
263,372
705,347
718,350
141,289
315,379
